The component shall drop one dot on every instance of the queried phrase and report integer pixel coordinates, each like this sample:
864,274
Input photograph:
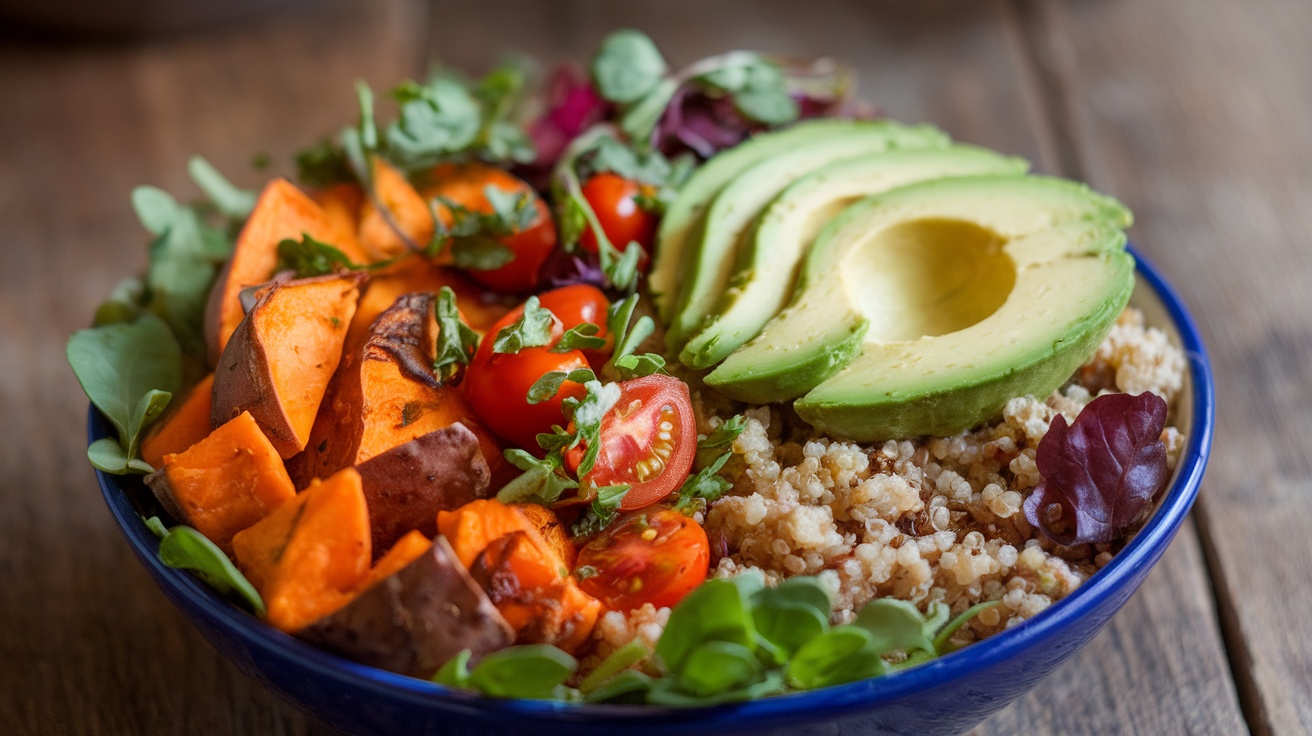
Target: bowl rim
778,710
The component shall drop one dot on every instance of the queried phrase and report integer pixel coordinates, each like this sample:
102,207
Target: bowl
947,695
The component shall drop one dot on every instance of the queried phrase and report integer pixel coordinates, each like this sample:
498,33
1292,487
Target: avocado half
787,228
924,309
700,234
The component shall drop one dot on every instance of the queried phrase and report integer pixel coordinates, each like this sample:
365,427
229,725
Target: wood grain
1199,114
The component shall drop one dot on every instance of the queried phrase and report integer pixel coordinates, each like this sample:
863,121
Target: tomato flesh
656,555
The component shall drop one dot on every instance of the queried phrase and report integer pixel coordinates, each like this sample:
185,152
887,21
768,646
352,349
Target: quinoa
924,520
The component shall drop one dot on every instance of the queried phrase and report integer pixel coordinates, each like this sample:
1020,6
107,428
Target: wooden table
1197,113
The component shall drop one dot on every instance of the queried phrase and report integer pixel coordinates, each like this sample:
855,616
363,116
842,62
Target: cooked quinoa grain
924,520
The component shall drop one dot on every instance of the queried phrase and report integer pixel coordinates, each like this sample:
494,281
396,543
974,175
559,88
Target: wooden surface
1197,113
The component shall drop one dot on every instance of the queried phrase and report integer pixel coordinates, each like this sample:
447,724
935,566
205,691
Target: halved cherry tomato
656,555
465,184
614,199
576,304
647,441
497,385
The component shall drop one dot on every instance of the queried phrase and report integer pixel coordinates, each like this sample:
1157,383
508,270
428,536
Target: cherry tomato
647,441
579,303
465,184
656,555
614,199
497,385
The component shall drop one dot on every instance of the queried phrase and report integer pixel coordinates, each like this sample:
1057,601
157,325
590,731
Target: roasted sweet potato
406,212
472,527
414,621
552,530
407,485
186,422
406,549
341,205
281,212
385,394
279,362
308,558
226,482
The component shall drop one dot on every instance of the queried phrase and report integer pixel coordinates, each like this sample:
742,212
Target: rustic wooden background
1198,113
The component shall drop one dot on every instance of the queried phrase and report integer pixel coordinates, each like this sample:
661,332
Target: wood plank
88,643
1196,112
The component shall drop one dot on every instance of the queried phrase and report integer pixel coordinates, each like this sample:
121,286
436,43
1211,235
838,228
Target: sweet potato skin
407,485
225,483
186,422
414,621
280,359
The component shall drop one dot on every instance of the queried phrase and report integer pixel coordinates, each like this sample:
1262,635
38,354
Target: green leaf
526,671
791,613
455,673
436,120
705,485
617,662
581,337
606,505
629,686
187,549
309,257
716,611
480,253
767,106
323,165
716,667
628,334
531,330
456,341
640,120
542,480
637,366
156,527
609,155
942,640
512,212
155,208
894,625
549,384
665,691
588,414
840,655
228,199
128,370
627,66
721,438
125,302
107,455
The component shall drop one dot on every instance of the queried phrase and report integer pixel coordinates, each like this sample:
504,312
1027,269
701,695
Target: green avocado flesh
924,309
787,227
707,252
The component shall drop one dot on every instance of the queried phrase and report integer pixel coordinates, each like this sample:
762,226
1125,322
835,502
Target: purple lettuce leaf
1100,472
572,106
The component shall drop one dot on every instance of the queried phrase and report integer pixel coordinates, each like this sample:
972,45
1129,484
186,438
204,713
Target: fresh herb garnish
323,165
628,335
310,257
627,67
534,671
580,337
603,510
548,385
713,451
531,330
543,481
587,414
456,341
1100,473
130,371
574,214
185,548
229,200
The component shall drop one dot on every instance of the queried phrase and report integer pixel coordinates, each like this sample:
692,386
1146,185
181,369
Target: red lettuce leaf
572,106
1102,471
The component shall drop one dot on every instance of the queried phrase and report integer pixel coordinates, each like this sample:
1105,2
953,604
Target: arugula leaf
228,199
526,671
549,384
185,548
129,370
310,257
436,120
543,481
581,337
531,330
627,67
456,341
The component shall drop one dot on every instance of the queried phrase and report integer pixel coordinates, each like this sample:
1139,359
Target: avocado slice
792,153
936,302
788,226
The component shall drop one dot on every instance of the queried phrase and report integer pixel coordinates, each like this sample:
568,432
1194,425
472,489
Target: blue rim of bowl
777,710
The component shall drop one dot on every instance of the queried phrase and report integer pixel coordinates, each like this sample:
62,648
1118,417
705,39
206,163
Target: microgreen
531,330
185,548
323,165
456,341
436,120
548,385
535,671
720,439
580,337
310,257
587,414
637,366
627,66
1100,473
574,213
704,486
228,199
543,480
603,510
615,663
130,371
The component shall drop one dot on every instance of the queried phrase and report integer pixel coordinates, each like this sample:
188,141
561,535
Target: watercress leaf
717,610
942,641
549,384
627,66
721,438
455,673
155,208
227,198
156,527
581,337
769,106
1100,473
640,120
436,120
894,625
841,654
606,505
526,671
108,456
322,165
125,302
629,686
716,667
619,323
665,691
637,366
542,480
608,154
185,548
512,212
119,364
803,590
788,625
505,141
532,329
456,341
310,257
623,272
617,662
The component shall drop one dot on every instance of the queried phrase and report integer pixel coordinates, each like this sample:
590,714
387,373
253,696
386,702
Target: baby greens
185,548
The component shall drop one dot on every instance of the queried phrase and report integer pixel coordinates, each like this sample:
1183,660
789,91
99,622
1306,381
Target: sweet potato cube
406,211
415,620
341,206
282,212
308,558
186,422
282,356
224,483
405,551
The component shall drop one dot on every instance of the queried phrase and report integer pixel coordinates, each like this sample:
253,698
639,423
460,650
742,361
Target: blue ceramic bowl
945,696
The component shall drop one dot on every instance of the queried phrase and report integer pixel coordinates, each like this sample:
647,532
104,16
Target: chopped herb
456,341
531,330
310,257
637,366
549,384
543,481
581,337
